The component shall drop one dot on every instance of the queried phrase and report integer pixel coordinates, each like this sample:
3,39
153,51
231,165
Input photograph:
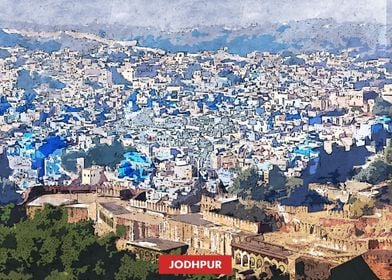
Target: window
245,260
238,258
252,262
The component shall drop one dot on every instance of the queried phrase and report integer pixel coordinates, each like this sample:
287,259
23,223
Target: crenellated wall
294,209
161,208
254,227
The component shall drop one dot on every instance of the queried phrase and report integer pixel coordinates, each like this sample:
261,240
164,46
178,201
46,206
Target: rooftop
142,217
257,244
52,200
114,208
63,199
157,244
191,218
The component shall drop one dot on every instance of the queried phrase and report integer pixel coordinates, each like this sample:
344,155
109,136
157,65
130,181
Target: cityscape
117,150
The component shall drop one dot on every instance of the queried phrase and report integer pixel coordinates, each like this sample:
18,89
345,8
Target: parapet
160,208
236,223
295,209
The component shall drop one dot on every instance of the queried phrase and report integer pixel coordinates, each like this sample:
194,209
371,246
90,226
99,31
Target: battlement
295,209
160,208
236,223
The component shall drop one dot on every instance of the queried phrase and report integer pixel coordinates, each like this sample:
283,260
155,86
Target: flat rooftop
258,245
157,244
191,218
114,208
63,199
55,201
142,217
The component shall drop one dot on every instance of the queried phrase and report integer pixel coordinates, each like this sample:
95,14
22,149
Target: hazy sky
178,14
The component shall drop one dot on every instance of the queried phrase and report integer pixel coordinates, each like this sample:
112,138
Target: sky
172,15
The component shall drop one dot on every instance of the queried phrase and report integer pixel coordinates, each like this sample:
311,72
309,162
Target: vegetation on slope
47,247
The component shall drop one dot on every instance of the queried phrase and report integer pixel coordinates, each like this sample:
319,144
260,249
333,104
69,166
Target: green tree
388,154
56,275
121,231
5,213
137,270
382,107
13,275
245,180
377,172
47,247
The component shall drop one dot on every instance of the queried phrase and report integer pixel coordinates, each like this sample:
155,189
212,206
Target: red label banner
197,264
